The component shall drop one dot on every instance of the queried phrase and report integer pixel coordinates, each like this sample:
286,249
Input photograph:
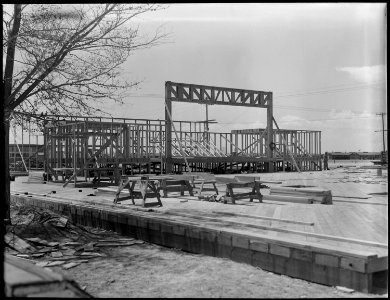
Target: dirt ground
147,270
153,271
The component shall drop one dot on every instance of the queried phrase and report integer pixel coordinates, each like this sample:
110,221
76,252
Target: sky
324,63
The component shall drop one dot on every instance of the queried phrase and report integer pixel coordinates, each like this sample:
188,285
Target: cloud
365,74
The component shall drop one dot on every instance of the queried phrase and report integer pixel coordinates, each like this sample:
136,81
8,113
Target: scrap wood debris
211,198
48,239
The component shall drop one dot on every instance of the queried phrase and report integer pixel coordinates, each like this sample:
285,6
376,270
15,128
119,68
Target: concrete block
103,215
301,254
299,268
279,250
166,228
155,236
346,278
167,238
55,207
224,239
280,264
355,280
263,260
241,255
142,222
193,240
208,248
88,217
179,229
154,225
193,233
325,274
180,242
132,220
224,251
79,210
240,242
259,246
142,233
326,260
122,219
209,236
354,264
112,217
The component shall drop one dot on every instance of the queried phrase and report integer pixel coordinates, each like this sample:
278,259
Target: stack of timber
24,279
35,177
300,195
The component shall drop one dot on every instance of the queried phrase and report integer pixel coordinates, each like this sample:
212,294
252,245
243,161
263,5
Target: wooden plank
353,264
377,264
263,217
298,232
315,247
289,198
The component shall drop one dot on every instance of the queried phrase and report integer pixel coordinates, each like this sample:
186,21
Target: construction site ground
359,211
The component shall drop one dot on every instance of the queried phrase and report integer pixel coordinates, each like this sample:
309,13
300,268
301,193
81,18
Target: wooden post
168,132
269,138
284,141
74,155
29,145
177,137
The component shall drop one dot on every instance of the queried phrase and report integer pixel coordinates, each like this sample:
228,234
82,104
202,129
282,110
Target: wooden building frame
202,94
90,145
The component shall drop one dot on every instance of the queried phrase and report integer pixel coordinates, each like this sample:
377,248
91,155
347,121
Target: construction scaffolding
103,148
107,149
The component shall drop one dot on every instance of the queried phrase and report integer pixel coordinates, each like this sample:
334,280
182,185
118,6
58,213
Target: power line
329,119
326,91
335,87
383,130
312,92
330,89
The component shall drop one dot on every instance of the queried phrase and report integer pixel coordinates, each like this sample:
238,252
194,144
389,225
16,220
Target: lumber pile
300,195
24,279
35,177
40,239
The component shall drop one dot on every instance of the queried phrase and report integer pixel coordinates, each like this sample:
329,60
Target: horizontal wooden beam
203,94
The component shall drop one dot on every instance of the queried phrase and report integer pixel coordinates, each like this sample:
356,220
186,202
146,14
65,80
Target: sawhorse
254,194
147,188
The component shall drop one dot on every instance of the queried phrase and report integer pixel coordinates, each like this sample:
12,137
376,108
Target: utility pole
383,130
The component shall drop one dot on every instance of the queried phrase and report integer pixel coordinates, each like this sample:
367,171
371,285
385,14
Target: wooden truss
203,94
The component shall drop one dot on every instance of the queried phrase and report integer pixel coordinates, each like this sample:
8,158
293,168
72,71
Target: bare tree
62,61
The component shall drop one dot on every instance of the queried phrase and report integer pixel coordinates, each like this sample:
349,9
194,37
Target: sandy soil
152,271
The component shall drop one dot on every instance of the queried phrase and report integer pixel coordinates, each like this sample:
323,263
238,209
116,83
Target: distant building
354,155
33,156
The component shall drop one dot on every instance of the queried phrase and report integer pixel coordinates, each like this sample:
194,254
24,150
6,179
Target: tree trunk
5,170
5,192
7,85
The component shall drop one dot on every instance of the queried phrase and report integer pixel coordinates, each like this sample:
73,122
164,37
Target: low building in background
354,155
